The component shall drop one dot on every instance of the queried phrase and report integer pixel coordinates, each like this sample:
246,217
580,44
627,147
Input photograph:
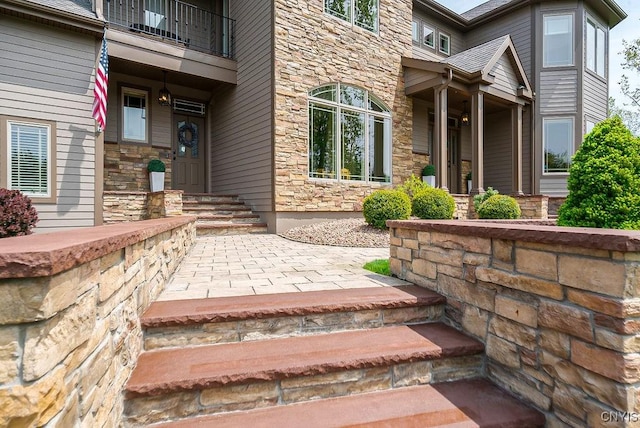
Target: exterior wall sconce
464,118
164,97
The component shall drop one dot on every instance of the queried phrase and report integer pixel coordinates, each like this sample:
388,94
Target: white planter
156,179
468,186
430,180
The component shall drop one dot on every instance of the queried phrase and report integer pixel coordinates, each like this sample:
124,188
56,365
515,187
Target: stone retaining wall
532,207
557,308
69,325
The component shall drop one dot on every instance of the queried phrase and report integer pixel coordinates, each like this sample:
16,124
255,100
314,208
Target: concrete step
185,382
239,217
208,197
465,403
221,214
234,319
229,228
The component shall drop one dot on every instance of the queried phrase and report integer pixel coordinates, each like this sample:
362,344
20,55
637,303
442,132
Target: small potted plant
469,183
156,170
429,175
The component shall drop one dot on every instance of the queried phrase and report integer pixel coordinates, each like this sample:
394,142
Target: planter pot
430,180
468,186
156,179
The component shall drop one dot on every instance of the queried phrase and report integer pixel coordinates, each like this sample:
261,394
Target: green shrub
604,180
383,205
499,206
412,185
156,165
429,170
480,198
433,203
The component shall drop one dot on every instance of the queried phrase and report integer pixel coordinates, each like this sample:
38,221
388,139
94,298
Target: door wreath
188,135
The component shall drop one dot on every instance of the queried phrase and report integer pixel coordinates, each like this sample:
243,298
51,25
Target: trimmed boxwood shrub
17,215
433,203
604,180
156,165
383,205
481,197
412,186
499,207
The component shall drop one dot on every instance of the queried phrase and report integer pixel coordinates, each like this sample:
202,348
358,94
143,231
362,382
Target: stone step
234,319
208,197
183,382
465,403
229,228
215,207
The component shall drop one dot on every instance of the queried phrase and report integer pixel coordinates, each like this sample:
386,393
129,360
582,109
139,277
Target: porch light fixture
164,97
464,118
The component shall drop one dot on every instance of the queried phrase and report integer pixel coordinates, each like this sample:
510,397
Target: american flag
100,87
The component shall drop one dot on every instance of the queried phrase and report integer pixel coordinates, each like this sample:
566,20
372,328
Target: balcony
176,22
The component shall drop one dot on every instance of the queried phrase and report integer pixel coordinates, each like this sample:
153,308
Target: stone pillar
477,142
516,141
440,137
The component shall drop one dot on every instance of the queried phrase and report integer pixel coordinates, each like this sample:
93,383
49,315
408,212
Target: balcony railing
175,21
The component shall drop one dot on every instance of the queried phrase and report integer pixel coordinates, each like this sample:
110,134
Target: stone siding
125,166
534,206
69,330
335,51
557,309
134,206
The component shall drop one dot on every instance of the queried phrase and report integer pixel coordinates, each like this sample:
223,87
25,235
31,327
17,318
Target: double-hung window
349,135
557,44
596,47
28,157
362,13
134,115
557,141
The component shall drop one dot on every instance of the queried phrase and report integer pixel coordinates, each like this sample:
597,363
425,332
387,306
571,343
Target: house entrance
453,159
188,154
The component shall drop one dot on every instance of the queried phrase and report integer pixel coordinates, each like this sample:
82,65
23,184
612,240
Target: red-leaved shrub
17,215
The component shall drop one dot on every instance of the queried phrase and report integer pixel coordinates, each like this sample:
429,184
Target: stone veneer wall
125,166
533,207
134,206
69,326
557,308
335,51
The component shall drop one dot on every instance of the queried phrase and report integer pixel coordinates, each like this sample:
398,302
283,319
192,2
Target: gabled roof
477,59
484,8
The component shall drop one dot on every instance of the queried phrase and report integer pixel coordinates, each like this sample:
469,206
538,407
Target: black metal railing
175,21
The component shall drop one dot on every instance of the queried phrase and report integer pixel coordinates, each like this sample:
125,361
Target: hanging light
465,114
164,97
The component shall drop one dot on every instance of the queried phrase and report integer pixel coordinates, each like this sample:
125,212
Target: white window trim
448,37
126,90
5,164
572,143
433,33
415,25
598,26
367,115
352,17
573,39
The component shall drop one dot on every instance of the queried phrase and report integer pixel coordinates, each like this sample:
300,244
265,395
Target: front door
188,154
453,160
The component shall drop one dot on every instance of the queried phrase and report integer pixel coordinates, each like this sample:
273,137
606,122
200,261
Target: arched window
349,135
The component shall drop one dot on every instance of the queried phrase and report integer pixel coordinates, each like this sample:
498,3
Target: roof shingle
484,8
475,59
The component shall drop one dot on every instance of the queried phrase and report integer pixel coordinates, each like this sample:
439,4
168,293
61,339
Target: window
589,124
445,44
349,135
557,141
134,115
363,13
596,48
415,32
557,45
29,153
428,36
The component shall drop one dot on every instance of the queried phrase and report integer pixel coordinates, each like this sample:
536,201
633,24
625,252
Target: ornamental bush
499,206
481,197
412,186
17,215
604,180
383,205
156,165
433,203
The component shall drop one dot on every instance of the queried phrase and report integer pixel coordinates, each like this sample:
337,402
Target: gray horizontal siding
457,38
553,186
420,126
497,151
518,26
505,77
46,74
242,155
595,97
558,91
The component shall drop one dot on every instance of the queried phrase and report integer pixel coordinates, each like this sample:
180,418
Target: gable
505,75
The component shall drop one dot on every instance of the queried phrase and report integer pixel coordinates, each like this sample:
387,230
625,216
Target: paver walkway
239,265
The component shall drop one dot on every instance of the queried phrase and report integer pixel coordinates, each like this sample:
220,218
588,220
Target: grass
380,266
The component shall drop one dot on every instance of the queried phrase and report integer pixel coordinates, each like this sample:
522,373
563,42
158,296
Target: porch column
440,137
477,142
516,163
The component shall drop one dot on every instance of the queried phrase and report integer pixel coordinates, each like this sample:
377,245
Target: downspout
440,149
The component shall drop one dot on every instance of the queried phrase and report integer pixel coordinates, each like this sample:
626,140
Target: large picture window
134,115
557,45
349,135
28,150
363,13
596,48
557,144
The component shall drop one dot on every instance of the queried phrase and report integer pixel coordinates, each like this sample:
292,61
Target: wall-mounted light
164,97
464,118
